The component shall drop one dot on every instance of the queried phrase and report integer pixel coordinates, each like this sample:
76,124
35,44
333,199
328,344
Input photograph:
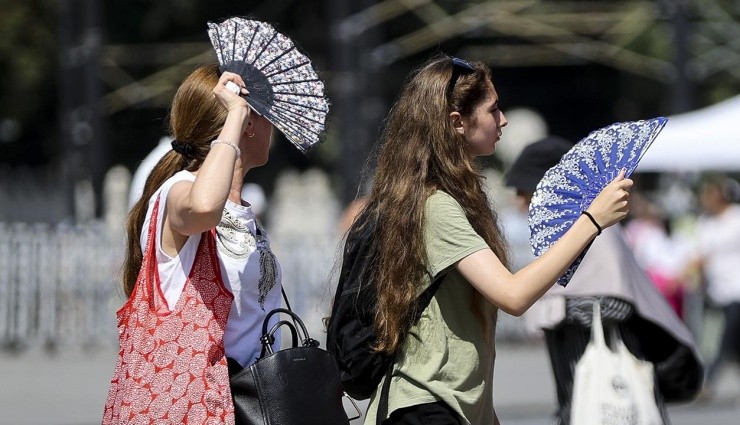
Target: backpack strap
382,413
421,304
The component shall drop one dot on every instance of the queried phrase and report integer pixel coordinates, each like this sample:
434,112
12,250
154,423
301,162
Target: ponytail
195,120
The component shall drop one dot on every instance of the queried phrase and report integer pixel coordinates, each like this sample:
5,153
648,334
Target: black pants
729,349
438,413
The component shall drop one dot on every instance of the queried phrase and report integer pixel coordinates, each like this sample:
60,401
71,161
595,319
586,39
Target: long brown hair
420,152
195,120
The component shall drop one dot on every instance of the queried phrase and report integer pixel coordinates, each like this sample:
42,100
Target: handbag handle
307,340
299,330
297,320
597,329
618,342
268,338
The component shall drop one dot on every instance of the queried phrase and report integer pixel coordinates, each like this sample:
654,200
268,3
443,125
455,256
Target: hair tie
593,220
184,149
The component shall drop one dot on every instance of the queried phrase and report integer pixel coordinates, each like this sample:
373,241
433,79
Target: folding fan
569,187
283,86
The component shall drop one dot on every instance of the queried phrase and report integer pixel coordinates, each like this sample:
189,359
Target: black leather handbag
294,386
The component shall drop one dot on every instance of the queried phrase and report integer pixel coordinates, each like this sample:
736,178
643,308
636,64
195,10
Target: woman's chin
487,152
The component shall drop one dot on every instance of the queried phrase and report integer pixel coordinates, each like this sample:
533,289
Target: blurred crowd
696,254
685,235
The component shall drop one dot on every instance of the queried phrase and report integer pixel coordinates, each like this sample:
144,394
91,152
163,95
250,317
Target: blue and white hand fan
569,187
283,86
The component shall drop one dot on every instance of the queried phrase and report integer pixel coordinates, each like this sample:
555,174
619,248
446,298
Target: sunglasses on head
462,63
459,67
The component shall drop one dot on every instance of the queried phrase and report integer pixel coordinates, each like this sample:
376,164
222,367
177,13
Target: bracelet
593,220
236,148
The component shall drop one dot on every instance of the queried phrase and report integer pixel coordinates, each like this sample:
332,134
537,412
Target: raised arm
195,207
515,293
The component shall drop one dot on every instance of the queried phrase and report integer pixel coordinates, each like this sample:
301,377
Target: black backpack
350,329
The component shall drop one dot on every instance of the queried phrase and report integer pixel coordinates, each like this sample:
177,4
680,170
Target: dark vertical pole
682,101
70,160
371,103
354,96
83,153
98,150
344,87
682,90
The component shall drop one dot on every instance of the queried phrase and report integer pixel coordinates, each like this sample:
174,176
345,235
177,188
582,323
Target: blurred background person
662,257
629,302
136,189
718,260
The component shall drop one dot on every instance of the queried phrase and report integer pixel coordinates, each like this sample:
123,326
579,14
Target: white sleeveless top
249,269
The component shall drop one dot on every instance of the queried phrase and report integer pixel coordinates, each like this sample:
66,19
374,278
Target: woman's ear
457,122
249,129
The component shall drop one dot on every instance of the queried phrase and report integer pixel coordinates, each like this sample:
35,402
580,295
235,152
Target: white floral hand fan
283,86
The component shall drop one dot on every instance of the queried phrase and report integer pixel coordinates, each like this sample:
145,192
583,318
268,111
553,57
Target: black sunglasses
459,67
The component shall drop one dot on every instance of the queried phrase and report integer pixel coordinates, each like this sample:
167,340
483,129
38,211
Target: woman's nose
503,121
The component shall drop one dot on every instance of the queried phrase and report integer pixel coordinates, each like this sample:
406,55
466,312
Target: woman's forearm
214,180
516,292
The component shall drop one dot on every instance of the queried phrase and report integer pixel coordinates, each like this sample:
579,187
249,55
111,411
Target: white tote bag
612,387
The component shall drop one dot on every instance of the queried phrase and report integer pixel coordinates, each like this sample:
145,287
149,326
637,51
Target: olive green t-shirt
447,355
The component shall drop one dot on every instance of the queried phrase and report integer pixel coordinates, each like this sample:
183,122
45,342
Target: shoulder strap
153,293
382,413
306,340
426,296
421,304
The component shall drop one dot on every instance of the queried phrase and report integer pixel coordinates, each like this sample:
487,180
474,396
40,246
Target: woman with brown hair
199,272
433,218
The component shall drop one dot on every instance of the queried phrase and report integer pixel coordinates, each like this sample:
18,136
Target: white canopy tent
705,139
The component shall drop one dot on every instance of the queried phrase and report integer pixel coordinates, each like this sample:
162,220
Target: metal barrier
57,284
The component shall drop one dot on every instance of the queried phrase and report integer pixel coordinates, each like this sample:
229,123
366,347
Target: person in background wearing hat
629,302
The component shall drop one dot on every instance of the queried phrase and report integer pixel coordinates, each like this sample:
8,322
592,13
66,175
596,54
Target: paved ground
524,392
69,388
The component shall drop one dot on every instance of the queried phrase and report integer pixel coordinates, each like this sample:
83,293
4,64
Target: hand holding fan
568,188
283,86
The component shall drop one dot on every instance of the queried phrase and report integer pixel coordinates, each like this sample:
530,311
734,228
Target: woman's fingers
627,184
235,80
228,90
232,87
622,173
612,204
620,180
621,185
231,82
